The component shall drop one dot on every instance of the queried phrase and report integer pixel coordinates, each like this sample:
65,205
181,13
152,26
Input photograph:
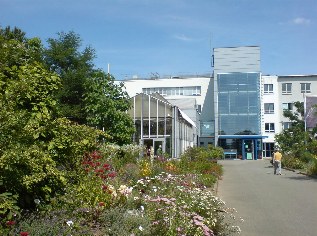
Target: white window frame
268,108
269,127
287,106
286,88
305,87
268,88
286,125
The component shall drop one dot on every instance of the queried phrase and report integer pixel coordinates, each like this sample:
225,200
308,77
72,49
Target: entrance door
159,143
248,149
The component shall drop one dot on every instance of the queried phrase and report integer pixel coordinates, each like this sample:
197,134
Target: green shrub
312,166
121,155
292,162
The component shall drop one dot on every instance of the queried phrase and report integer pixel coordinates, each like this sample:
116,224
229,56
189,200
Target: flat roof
242,136
287,76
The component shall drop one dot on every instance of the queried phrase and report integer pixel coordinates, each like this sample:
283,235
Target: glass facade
207,128
239,103
158,122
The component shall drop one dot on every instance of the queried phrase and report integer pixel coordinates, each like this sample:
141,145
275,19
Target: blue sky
174,37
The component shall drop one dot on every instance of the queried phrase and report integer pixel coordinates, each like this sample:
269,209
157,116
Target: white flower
140,228
142,208
70,223
124,190
37,201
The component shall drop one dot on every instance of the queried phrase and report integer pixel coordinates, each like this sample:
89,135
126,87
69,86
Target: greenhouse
158,123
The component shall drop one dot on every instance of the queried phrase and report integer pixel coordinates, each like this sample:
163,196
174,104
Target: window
268,149
268,108
269,127
199,108
169,91
197,90
268,88
305,87
287,106
286,88
287,125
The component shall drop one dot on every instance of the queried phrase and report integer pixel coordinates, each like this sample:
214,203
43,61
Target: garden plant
67,166
111,198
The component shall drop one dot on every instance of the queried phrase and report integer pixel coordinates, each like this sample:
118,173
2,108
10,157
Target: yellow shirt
277,156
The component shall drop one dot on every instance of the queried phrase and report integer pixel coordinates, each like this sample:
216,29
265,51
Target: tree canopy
41,150
88,95
63,56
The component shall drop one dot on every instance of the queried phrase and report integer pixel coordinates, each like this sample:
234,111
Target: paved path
271,205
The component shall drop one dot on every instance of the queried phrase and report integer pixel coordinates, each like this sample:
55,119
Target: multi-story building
270,123
189,93
237,107
237,98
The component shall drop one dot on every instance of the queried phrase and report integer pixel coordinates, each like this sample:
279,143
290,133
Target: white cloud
182,37
301,21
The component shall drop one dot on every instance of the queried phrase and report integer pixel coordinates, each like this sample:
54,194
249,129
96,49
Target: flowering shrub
95,164
106,202
177,208
145,168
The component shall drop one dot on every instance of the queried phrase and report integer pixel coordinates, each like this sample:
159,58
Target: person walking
277,162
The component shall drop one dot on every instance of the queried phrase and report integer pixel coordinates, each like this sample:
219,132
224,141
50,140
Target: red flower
95,155
106,166
24,234
112,174
104,187
101,204
10,223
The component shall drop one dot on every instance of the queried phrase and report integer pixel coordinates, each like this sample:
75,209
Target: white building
270,124
216,107
189,93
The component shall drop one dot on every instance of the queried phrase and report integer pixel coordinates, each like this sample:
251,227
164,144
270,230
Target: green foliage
297,144
64,57
15,34
120,156
31,173
202,153
106,105
164,204
68,142
8,205
49,163
312,166
215,152
293,162
38,154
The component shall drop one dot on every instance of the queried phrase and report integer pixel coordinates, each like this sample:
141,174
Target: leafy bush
162,204
292,162
312,166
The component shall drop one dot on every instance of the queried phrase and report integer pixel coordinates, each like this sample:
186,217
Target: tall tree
17,34
74,66
106,106
38,153
294,139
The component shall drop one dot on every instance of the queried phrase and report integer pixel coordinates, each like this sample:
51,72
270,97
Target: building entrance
155,143
248,147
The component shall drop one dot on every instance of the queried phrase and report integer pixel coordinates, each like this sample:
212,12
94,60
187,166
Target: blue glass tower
237,97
